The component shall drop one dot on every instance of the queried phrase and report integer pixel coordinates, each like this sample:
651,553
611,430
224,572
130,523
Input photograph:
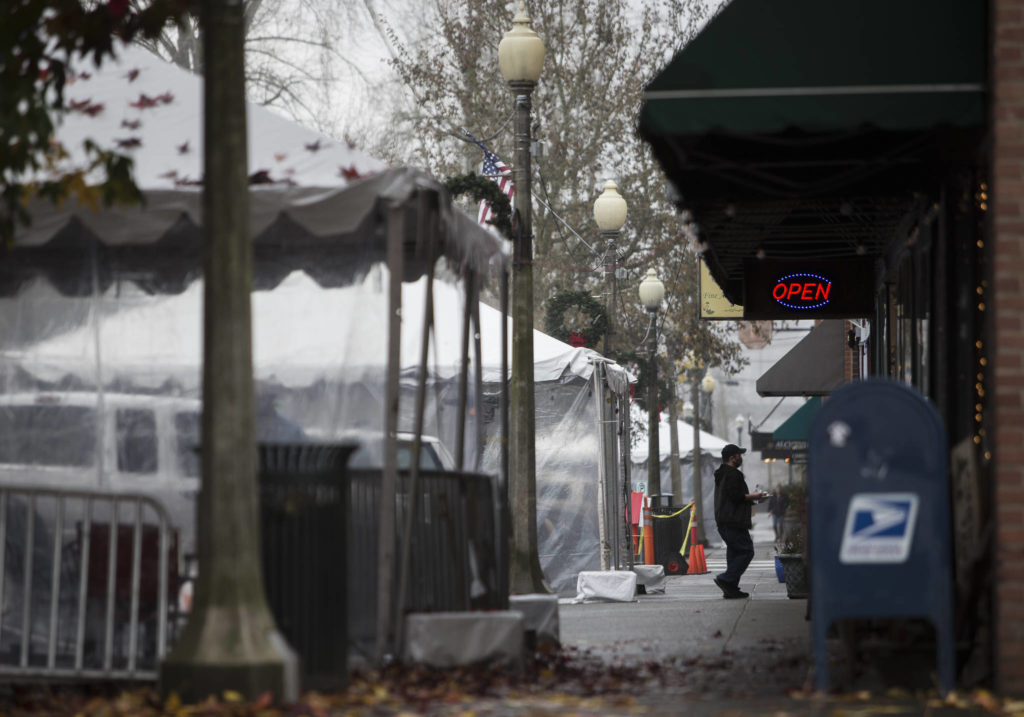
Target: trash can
303,498
669,531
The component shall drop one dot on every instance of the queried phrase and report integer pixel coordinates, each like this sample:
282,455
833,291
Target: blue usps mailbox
879,515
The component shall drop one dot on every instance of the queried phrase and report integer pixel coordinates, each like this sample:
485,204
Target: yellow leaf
173,703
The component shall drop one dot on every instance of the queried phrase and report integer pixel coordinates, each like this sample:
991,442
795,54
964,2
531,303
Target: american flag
496,170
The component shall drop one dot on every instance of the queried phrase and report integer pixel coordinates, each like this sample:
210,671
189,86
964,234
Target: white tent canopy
299,329
309,194
708,443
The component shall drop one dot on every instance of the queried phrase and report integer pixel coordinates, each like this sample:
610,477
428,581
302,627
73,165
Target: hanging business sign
808,288
713,304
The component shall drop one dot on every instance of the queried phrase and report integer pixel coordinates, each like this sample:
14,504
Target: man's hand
757,496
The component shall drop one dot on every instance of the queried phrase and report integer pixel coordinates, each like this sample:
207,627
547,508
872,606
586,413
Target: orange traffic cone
698,566
694,559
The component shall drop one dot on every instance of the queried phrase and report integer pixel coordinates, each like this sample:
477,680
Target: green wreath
484,189
587,329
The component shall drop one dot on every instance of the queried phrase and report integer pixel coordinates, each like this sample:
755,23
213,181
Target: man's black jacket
732,509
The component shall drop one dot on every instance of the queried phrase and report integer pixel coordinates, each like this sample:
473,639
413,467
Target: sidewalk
758,646
693,652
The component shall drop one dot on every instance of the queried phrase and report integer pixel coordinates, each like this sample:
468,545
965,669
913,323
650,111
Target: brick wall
1007,55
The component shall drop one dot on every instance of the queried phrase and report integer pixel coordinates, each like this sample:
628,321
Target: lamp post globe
740,423
521,51
520,59
651,291
610,215
707,387
610,209
708,383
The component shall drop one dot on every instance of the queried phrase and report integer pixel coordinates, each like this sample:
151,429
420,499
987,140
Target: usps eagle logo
879,528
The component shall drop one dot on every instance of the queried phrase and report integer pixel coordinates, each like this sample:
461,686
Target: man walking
732,514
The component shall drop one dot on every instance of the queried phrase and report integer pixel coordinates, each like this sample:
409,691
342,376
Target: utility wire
564,223
769,414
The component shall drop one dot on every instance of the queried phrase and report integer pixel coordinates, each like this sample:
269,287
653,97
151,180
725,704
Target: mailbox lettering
802,291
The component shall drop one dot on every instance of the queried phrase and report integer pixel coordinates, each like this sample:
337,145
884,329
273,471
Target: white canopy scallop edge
151,110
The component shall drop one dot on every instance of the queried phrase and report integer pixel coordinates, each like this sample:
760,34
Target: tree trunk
231,641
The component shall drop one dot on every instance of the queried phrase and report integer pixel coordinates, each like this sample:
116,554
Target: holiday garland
484,189
595,318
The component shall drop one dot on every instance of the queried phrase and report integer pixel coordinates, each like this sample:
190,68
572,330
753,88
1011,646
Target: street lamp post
520,58
739,430
652,291
610,215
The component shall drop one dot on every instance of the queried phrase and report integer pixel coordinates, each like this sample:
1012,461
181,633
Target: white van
110,441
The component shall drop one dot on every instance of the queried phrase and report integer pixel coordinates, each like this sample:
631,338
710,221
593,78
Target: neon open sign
802,291
809,287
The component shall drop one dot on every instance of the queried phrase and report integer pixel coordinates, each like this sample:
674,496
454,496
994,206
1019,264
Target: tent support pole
460,430
417,446
389,479
505,534
602,468
478,371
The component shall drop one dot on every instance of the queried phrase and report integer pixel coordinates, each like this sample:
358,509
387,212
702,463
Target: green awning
818,128
797,426
762,67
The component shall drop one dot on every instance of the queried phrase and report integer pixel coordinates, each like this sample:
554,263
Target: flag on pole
496,170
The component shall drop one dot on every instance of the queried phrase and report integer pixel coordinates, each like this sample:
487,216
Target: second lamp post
520,58
652,291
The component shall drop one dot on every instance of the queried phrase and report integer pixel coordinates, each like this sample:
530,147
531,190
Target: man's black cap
732,450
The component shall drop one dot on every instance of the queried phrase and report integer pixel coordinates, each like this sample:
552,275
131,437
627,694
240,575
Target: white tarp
309,194
708,443
300,330
150,110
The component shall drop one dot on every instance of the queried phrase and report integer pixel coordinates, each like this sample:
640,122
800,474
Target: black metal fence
454,560
320,550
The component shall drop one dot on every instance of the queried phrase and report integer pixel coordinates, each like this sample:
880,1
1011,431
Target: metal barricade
80,599
453,564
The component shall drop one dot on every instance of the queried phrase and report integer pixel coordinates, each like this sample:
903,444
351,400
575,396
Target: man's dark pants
739,551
